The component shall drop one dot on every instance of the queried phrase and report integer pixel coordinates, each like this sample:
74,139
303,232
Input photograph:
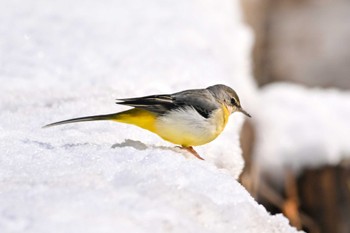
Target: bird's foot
191,150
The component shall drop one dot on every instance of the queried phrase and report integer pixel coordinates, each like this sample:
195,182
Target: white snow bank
75,58
86,187
301,127
66,59
118,43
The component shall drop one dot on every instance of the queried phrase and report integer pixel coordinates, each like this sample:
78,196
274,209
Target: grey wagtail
187,118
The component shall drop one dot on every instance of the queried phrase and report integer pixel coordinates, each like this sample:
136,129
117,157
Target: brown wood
318,201
325,196
291,205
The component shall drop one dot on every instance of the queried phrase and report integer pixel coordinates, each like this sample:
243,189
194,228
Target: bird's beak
240,109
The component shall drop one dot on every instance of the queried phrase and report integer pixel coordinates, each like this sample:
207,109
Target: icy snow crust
64,59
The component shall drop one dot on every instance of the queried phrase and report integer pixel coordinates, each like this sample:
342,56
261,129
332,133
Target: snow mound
67,59
92,188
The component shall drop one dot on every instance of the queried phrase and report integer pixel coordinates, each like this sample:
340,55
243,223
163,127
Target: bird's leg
192,151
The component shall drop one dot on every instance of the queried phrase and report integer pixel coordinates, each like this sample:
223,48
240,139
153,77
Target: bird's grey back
200,99
204,101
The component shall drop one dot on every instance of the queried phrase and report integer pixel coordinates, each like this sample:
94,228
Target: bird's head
228,97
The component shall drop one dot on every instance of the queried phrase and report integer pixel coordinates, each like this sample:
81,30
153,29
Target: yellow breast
188,128
185,127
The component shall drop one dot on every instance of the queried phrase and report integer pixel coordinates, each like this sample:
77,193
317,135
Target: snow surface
63,59
301,127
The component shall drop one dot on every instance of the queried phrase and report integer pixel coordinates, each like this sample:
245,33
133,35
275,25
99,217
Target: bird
187,118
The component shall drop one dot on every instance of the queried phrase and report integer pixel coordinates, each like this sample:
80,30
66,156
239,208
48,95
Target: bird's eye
233,102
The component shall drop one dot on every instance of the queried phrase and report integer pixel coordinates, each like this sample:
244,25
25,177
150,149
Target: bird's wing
153,103
201,100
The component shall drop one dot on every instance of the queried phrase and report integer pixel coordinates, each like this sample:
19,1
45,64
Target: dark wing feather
154,103
201,100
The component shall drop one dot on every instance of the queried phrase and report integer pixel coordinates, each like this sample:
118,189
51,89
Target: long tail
87,118
139,117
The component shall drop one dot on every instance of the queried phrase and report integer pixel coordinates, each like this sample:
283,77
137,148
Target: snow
67,59
301,127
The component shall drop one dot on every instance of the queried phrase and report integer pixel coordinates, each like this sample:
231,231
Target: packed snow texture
63,59
301,127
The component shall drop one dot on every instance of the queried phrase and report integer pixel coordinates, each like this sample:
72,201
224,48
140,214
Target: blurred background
289,61
297,154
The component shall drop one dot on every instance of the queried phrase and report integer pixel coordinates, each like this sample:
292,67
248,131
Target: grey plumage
224,93
202,100
187,118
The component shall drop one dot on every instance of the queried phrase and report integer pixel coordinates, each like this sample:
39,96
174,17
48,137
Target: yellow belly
180,128
185,138
190,128
138,117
